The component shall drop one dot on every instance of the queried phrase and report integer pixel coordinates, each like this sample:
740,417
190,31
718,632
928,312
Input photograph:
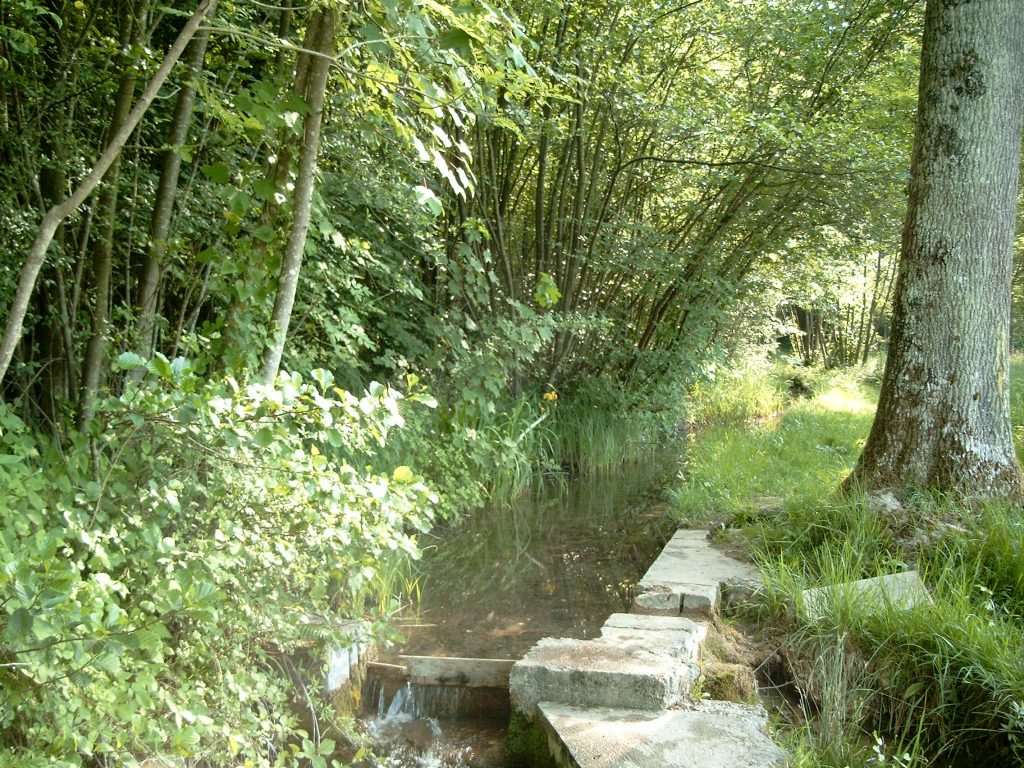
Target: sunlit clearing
841,399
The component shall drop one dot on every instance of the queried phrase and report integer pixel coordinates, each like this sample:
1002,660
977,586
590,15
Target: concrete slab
900,590
635,673
451,670
688,576
712,734
341,665
675,636
655,623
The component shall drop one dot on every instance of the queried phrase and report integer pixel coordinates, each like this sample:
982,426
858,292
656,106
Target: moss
730,682
527,744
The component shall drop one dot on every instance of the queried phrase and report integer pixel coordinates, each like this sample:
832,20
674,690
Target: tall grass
517,443
938,684
592,439
943,680
754,389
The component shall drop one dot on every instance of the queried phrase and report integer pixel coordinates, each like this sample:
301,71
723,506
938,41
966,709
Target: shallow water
406,737
555,565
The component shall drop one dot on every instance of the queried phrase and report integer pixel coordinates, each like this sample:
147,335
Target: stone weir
623,700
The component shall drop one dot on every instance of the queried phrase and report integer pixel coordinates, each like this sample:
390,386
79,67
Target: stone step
690,576
710,734
457,671
639,662
676,636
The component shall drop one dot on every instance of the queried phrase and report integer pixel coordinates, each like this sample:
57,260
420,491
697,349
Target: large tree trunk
943,419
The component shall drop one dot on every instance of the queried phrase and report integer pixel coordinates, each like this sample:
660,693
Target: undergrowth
939,684
484,459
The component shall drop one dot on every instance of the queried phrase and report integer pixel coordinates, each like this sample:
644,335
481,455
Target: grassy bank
775,433
942,684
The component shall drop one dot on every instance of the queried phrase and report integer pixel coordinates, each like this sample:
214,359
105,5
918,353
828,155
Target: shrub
154,577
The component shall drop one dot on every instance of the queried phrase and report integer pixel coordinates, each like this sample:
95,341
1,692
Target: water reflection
556,564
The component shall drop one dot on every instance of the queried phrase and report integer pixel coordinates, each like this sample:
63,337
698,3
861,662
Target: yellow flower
551,397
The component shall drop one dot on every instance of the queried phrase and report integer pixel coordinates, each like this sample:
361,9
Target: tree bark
943,419
291,262
53,217
163,207
103,246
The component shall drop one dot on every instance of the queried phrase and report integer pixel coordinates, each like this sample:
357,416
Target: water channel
555,565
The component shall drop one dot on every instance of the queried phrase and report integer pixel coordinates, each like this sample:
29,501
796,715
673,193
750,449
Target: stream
556,564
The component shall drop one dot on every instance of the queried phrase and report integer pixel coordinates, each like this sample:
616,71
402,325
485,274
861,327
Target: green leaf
19,624
264,189
7,459
546,293
180,367
160,366
426,197
264,437
264,233
218,173
239,203
128,361
457,40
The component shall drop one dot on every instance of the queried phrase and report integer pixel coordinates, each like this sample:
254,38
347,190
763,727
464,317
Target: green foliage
155,578
599,426
654,211
738,394
702,165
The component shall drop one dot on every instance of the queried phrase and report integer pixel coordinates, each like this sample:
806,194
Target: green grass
755,389
942,684
593,440
732,470
944,680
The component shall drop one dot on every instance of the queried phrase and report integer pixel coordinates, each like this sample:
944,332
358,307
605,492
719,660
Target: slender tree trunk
103,246
58,354
53,217
869,325
291,262
163,207
943,418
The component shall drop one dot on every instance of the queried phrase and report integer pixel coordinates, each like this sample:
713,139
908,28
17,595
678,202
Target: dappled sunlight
841,399
802,451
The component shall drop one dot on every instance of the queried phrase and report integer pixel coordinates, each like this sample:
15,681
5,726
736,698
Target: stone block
673,636
599,673
659,600
899,590
688,576
711,734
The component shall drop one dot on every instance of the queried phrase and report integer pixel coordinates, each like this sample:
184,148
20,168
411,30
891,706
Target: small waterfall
433,726
414,738
422,701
